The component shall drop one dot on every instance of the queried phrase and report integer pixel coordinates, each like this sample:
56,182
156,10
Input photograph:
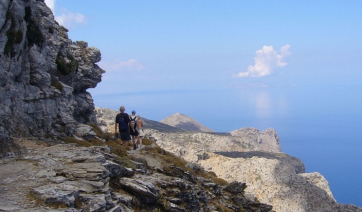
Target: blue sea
321,125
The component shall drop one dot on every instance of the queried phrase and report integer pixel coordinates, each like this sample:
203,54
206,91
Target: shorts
141,133
135,132
125,136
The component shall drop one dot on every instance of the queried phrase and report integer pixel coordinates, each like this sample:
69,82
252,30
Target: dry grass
147,142
220,181
168,160
116,147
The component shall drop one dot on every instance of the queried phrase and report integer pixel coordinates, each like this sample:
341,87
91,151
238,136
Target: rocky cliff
43,75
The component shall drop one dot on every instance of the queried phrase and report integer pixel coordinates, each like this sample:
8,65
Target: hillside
184,122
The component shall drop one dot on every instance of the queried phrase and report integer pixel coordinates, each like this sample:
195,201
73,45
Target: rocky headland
247,155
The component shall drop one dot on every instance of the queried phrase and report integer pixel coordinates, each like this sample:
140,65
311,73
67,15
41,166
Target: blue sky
183,46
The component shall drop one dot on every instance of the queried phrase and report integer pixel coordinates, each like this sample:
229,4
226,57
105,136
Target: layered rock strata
43,75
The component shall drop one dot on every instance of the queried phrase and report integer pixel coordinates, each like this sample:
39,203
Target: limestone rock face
276,180
268,139
184,122
43,74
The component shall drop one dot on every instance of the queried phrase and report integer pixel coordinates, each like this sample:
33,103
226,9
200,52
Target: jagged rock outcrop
66,177
184,122
43,75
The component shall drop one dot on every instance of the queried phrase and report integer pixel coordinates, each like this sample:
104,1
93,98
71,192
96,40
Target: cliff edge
43,75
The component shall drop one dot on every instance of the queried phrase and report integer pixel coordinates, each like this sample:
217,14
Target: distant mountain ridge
184,122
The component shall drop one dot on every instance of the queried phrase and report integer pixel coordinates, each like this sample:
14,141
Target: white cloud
50,4
69,19
129,65
66,18
266,61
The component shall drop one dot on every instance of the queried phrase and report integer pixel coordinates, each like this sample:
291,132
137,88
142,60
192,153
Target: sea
321,125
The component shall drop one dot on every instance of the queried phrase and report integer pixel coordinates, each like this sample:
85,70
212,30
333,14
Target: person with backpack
134,134
124,125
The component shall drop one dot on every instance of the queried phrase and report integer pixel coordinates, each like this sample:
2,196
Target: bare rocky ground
67,177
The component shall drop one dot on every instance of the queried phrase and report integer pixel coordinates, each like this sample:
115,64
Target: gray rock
59,194
147,190
43,75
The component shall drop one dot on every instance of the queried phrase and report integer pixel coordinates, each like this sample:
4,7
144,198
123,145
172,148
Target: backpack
122,124
133,121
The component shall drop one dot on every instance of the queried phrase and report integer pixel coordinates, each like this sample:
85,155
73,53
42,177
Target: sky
207,45
295,66
163,57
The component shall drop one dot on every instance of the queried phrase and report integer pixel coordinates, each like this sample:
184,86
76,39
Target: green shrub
64,67
58,85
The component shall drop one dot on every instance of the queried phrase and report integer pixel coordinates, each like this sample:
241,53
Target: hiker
139,128
134,134
124,124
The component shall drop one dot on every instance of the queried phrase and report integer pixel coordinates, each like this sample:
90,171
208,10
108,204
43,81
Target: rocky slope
43,75
67,177
184,122
248,155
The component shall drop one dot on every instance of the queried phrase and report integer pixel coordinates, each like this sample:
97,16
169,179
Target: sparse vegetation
223,208
168,159
147,141
58,85
220,181
65,67
115,145
14,36
33,32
